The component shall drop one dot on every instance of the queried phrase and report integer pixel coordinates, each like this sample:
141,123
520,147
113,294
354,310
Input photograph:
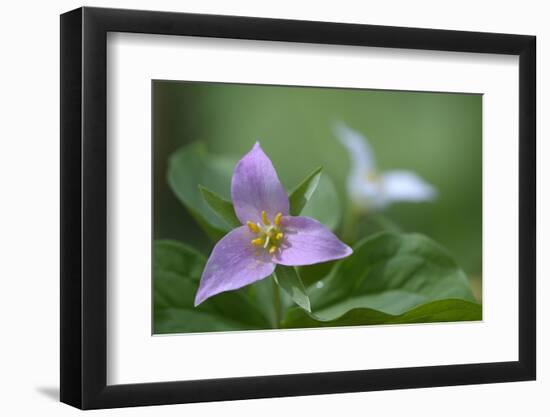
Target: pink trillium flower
268,237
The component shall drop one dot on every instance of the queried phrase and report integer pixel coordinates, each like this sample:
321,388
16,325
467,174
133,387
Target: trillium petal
360,152
255,187
234,263
309,242
366,194
406,186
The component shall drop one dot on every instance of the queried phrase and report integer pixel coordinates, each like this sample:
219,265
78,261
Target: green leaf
301,194
192,165
289,280
324,204
261,294
222,207
435,311
177,271
390,274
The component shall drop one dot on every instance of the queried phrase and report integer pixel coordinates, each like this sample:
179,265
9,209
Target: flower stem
276,303
385,224
349,228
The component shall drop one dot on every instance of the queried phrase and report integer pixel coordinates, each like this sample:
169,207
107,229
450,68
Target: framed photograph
259,208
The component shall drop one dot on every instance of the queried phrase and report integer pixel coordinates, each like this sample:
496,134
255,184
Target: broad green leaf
288,279
177,271
324,204
222,207
390,273
192,165
261,294
310,274
299,197
435,311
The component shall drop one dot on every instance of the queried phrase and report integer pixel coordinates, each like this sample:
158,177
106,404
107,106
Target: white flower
371,190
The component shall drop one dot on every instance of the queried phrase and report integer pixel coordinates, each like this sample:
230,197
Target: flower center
269,235
371,176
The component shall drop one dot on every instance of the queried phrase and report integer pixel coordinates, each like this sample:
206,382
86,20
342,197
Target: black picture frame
84,207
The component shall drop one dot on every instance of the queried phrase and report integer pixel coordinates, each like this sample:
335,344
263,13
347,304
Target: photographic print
327,181
284,207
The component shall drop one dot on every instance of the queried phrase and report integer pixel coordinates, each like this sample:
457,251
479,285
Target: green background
437,135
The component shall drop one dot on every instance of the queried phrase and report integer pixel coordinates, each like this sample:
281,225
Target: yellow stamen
371,176
253,227
265,220
269,235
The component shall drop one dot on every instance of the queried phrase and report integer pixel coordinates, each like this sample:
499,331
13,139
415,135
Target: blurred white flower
371,190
